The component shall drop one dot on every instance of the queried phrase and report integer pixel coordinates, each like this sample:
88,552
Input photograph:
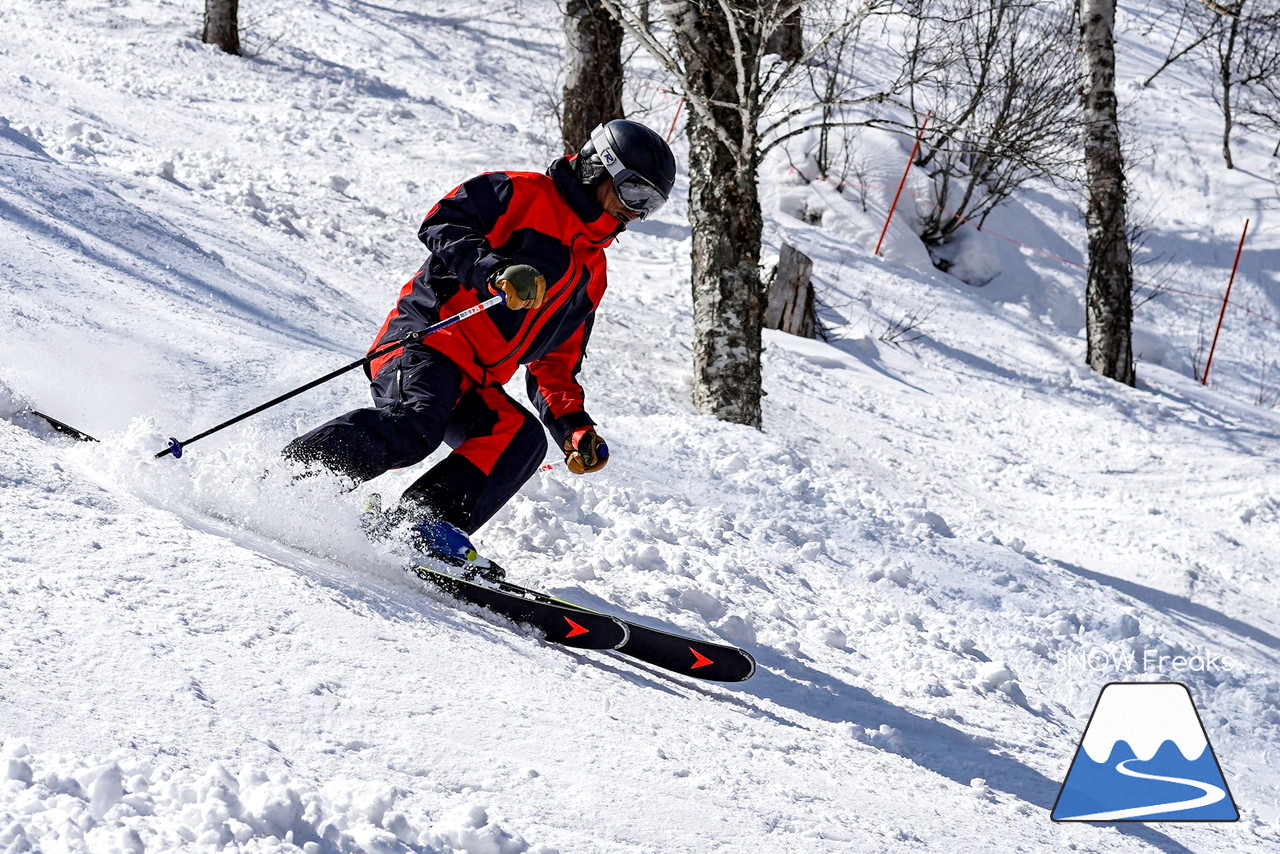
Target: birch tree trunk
221,25
724,208
593,71
716,53
1108,294
1225,64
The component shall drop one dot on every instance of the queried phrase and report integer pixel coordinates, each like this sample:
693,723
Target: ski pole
176,448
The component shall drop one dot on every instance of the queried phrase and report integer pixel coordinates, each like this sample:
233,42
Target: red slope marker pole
675,119
912,159
1221,315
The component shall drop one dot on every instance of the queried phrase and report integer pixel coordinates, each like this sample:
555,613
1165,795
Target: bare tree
720,51
1237,46
1109,290
593,70
1195,25
716,50
1004,99
1226,66
1247,59
1260,76
221,25
837,92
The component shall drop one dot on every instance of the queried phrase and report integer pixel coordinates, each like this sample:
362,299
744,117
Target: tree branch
1224,11
865,12
632,23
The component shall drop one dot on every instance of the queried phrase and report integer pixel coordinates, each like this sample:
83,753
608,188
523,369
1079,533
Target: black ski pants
420,400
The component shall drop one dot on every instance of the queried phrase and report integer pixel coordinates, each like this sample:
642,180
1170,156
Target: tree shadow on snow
1231,428
459,24
1175,605
866,352
930,744
190,275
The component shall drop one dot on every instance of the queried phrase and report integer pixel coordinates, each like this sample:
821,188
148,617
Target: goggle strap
600,141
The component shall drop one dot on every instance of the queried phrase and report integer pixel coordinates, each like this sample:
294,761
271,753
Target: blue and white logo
1145,756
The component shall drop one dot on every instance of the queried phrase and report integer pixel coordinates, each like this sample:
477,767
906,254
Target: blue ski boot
434,539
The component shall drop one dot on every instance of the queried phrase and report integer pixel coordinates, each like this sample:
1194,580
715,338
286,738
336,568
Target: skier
538,239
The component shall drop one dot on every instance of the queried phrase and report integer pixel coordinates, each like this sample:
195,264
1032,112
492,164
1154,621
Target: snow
132,807
940,548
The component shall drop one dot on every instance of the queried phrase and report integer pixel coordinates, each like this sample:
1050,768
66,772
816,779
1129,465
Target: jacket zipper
528,328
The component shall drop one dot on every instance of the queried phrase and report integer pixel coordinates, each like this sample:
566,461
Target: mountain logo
1145,756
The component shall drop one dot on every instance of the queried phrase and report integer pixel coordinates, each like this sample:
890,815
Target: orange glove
524,286
585,451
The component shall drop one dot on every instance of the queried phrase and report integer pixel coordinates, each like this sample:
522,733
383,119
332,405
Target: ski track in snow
938,552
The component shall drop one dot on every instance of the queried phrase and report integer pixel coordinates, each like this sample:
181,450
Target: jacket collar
601,227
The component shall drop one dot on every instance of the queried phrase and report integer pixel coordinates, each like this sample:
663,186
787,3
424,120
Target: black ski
65,429
690,656
715,662
700,659
558,622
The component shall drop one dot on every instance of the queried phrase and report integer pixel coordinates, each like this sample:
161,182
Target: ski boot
437,540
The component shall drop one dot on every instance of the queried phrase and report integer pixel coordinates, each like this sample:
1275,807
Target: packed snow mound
125,804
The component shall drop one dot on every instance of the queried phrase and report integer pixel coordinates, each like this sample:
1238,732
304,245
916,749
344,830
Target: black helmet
639,161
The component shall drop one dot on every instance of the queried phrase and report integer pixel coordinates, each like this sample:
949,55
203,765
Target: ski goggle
635,192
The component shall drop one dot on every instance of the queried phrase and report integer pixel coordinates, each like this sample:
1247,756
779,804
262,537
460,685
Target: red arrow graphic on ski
699,660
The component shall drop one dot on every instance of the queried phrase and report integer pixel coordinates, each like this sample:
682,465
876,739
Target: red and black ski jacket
550,222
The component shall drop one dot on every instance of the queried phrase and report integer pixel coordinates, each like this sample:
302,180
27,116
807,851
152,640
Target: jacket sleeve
456,230
553,384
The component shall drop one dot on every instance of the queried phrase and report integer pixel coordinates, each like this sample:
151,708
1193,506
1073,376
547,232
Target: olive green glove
585,451
523,286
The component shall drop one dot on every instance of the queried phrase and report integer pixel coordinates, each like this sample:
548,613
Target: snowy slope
939,552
